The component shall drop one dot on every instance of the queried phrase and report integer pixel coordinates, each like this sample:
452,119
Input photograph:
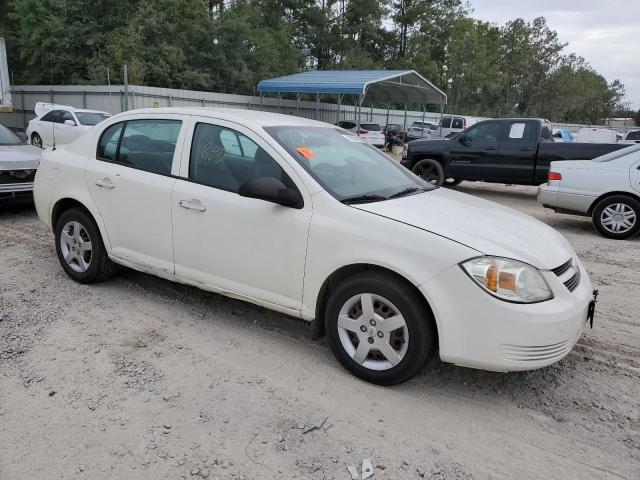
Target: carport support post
441,115
359,111
424,111
338,111
404,128
388,107
298,95
279,97
317,105
260,100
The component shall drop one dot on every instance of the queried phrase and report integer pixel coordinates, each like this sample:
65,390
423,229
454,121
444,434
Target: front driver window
224,158
485,132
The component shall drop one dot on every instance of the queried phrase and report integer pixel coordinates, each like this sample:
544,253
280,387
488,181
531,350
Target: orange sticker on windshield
305,152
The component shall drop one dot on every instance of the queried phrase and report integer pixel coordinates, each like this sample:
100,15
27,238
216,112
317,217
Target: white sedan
57,125
307,219
370,132
606,188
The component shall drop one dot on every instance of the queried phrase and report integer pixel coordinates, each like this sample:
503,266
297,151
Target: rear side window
108,144
52,116
546,134
519,132
224,158
64,116
149,145
371,126
635,135
446,122
457,123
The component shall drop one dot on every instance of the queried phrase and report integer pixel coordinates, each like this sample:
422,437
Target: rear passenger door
130,181
226,242
517,153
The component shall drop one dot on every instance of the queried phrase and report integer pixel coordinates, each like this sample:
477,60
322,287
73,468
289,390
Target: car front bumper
15,191
478,330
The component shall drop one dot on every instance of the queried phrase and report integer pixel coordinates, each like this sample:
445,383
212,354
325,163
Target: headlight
508,279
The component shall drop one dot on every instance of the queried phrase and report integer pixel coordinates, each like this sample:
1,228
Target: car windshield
347,167
91,118
7,137
618,153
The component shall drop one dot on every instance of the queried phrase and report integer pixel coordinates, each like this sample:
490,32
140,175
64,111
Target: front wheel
617,217
379,328
429,170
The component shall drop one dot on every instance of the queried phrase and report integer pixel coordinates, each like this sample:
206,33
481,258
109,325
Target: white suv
307,219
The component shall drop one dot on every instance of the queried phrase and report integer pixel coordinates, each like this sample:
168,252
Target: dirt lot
141,378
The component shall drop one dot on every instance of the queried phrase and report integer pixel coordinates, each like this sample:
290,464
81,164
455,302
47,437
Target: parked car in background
61,124
508,150
393,130
562,135
631,137
453,125
18,165
422,130
596,135
606,188
304,218
371,132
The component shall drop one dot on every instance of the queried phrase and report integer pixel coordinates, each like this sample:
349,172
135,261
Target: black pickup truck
508,150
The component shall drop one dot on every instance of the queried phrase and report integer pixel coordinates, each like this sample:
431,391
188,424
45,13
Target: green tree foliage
518,69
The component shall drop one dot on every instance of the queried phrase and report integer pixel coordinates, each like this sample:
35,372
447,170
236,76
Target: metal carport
404,87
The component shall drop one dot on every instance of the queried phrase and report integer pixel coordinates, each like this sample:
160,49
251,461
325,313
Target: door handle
192,205
105,183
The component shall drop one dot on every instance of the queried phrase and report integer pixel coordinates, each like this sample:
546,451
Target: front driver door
251,248
474,151
130,181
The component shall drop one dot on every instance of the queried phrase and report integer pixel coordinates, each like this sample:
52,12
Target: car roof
255,117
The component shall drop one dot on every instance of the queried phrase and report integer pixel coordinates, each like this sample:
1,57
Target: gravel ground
139,378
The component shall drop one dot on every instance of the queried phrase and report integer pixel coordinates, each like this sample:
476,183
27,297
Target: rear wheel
80,249
617,217
429,170
378,328
36,141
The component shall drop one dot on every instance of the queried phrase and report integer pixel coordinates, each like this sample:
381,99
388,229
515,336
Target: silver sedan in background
18,165
606,188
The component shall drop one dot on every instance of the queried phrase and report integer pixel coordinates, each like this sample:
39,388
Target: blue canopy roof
396,86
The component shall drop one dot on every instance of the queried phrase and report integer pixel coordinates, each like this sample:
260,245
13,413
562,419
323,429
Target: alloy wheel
618,218
76,247
373,332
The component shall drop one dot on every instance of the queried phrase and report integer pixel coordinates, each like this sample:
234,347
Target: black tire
419,323
452,182
36,141
630,207
100,267
429,170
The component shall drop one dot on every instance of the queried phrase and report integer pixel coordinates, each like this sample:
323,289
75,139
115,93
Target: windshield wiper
363,199
408,191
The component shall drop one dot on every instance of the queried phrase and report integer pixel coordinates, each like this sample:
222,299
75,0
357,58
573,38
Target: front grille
573,282
520,353
562,268
17,176
568,268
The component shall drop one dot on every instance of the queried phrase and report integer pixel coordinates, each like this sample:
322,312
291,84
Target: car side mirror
71,123
270,189
464,140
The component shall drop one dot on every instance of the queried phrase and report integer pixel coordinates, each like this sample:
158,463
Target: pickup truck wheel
429,170
617,217
378,328
36,141
452,182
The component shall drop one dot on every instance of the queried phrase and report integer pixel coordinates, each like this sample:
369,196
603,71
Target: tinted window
149,145
519,131
108,144
7,137
635,135
64,116
484,132
457,123
446,122
91,118
225,159
347,125
51,116
545,133
371,126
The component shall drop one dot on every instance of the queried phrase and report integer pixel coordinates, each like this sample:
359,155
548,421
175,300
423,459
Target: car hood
19,157
485,226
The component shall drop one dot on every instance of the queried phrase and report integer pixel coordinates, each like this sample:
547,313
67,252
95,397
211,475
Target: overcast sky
605,32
